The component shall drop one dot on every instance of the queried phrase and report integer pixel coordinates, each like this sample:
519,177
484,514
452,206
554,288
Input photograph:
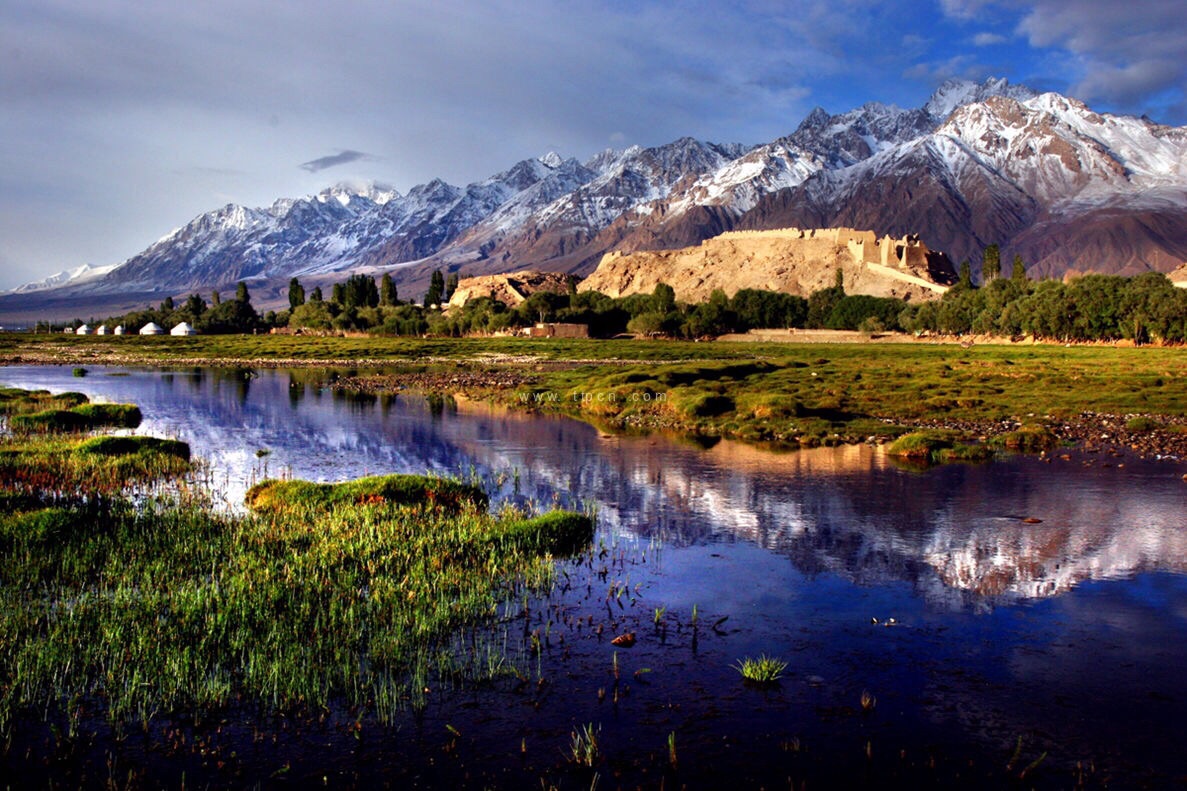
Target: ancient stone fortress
794,260
907,253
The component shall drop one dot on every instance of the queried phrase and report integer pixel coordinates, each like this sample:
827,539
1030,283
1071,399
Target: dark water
1066,635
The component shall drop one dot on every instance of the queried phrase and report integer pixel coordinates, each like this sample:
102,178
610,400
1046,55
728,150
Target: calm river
1039,608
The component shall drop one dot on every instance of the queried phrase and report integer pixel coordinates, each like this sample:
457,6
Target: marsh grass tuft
584,744
277,495
762,670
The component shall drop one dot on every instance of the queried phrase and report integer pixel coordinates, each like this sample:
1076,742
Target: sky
121,121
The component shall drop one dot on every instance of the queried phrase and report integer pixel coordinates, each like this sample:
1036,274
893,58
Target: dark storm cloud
341,158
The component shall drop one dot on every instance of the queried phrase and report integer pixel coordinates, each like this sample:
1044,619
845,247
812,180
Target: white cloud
988,39
1128,52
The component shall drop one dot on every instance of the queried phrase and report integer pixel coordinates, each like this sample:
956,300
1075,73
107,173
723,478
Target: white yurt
152,328
119,330
102,330
183,328
84,329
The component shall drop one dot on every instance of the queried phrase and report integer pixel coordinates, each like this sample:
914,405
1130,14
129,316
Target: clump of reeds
584,748
761,670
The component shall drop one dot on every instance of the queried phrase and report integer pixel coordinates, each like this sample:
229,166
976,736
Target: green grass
351,594
1030,438
276,495
84,417
790,394
761,670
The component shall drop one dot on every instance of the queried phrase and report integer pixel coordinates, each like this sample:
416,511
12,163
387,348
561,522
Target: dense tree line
1144,308
214,317
354,306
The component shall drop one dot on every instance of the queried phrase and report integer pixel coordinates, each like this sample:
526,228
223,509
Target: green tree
237,315
215,298
710,318
450,285
991,263
314,315
822,302
241,294
195,306
664,298
1018,271
852,311
359,291
436,291
760,309
966,275
388,296
296,294
316,295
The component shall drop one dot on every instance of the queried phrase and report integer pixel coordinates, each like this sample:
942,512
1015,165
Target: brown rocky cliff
510,289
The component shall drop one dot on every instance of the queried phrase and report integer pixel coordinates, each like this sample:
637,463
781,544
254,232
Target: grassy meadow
786,393
126,599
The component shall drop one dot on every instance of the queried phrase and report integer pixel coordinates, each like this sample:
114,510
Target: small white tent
85,329
152,328
102,330
183,329
118,330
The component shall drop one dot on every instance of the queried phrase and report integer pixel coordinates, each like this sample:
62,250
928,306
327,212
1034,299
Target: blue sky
124,120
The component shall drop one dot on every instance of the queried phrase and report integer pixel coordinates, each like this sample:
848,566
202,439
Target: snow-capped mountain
1045,177
76,276
1042,175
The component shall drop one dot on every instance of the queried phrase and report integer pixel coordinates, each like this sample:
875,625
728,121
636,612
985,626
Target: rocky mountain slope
1043,176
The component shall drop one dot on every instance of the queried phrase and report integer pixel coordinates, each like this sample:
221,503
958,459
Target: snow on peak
552,160
345,191
69,277
954,93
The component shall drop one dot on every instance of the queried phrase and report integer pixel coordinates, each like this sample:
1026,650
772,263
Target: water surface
1067,630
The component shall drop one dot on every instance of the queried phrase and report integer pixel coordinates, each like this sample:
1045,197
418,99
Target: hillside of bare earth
510,289
1179,276
792,260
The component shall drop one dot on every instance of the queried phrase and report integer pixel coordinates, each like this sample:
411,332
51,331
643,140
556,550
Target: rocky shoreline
1093,432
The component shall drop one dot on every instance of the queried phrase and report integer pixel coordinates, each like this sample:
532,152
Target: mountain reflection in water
956,533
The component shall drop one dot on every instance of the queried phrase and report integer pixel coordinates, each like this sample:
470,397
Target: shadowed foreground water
1048,650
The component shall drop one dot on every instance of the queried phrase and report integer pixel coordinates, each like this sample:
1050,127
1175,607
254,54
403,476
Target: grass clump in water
83,417
1028,439
761,670
922,445
275,495
937,445
14,401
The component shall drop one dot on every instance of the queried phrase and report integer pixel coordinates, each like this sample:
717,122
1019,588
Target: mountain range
1042,175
